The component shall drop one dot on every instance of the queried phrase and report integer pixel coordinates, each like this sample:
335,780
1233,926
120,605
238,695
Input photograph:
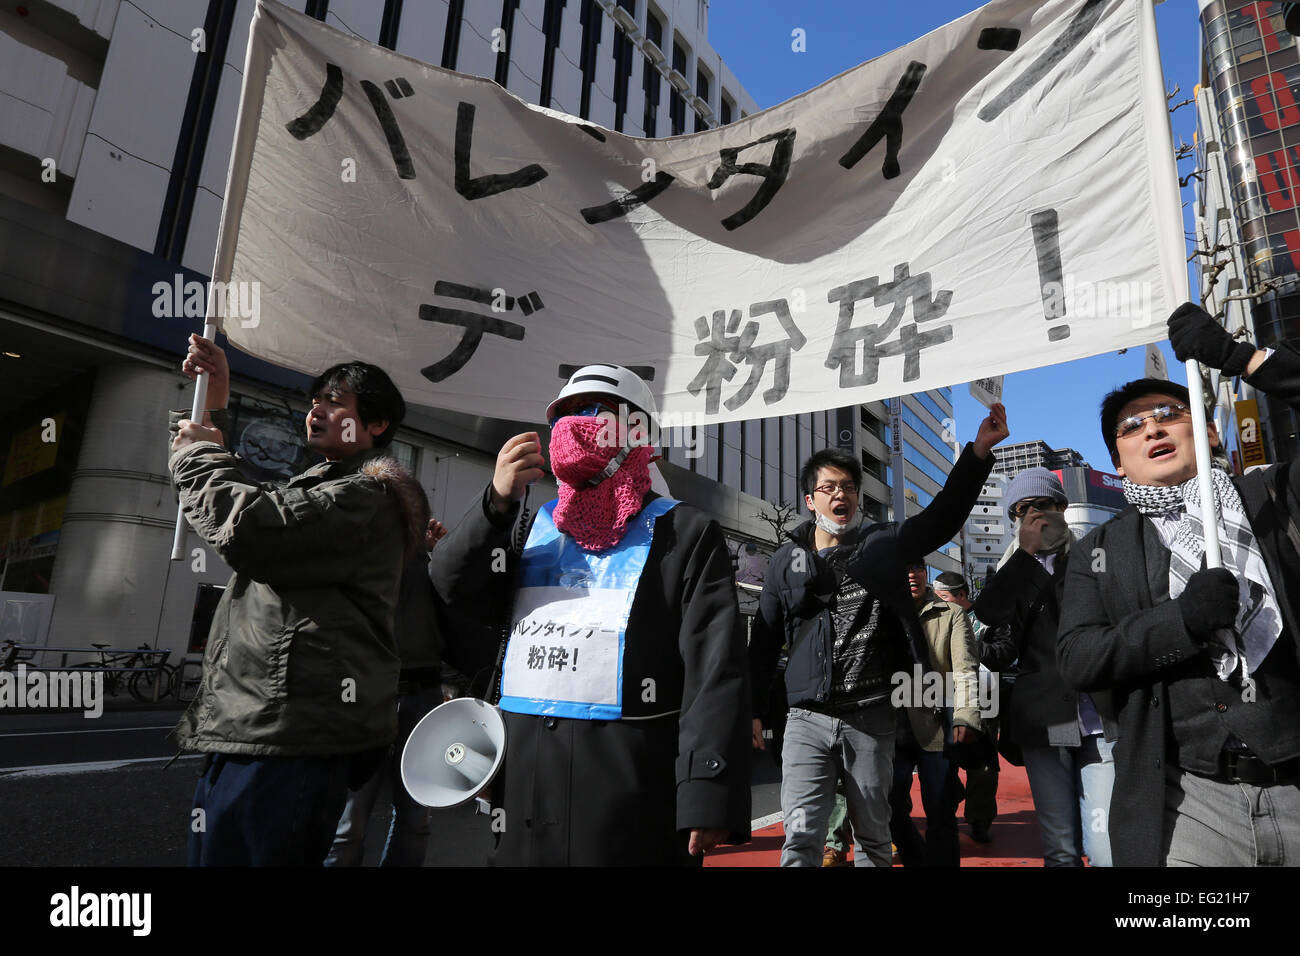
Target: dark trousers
940,794
267,811
982,780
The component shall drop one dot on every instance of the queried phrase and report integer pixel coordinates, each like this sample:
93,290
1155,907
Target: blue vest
565,654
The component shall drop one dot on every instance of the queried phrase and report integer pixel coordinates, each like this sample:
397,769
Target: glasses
1161,415
830,487
585,410
1021,508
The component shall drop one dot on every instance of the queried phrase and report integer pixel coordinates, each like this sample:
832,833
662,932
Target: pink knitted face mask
596,516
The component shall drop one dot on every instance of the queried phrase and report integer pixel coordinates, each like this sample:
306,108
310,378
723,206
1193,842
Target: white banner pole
196,415
1201,435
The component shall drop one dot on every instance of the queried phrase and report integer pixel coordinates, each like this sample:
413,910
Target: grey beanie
1034,483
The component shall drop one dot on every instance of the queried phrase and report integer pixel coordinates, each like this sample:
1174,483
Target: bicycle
186,680
138,672
12,654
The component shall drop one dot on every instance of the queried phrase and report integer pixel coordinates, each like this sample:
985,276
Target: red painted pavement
1015,832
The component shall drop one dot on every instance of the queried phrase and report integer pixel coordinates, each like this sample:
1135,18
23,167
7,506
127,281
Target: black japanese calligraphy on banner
946,211
897,294
772,173
888,125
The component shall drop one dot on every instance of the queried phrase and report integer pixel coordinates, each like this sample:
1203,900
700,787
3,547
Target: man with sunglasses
1065,738
836,595
1203,662
623,679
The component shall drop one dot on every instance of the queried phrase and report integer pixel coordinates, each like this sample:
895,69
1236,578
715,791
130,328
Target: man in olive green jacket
945,700
300,673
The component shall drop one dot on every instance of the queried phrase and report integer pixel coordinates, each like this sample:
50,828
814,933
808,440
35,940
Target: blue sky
753,37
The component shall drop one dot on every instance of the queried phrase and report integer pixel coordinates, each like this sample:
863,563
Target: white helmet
612,380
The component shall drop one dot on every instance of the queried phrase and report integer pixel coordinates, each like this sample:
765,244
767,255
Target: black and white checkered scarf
1259,620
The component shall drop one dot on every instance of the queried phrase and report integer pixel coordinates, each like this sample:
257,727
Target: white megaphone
453,753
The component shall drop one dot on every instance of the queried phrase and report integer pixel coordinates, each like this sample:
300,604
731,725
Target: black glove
1195,335
1209,602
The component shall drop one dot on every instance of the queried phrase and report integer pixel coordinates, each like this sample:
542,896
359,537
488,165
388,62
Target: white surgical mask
832,528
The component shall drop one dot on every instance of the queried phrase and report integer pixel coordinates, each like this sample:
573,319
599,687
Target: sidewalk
1015,832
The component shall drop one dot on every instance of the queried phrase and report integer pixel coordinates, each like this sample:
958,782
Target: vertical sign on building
1248,434
845,430
896,432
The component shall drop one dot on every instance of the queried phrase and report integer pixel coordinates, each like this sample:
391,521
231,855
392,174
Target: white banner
998,195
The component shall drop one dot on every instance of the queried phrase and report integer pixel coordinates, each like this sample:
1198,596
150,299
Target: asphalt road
78,792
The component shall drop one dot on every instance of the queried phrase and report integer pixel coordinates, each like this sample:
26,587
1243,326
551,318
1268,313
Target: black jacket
1024,597
1113,635
625,792
795,608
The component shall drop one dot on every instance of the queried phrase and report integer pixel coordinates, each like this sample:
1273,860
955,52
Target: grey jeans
859,746
1208,823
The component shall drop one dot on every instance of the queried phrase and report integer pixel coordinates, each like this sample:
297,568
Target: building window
591,17
390,24
790,462
622,67
552,20
934,407
702,89
677,105
727,110
927,433
407,455
508,8
451,40
650,79
918,460
731,456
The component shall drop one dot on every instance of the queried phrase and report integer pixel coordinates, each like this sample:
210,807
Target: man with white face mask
1066,737
836,595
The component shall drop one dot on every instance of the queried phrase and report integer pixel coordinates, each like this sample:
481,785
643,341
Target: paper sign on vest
565,655
566,646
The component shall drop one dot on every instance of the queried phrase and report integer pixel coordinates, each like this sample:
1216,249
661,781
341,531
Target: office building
1095,497
1035,454
1247,206
116,120
987,534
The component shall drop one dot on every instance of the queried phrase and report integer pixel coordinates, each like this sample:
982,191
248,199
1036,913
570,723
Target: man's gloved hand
1194,334
1209,602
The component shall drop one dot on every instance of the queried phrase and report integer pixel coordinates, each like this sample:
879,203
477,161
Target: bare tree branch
779,520
1208,252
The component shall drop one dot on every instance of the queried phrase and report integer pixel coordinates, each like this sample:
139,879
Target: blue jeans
267,811
408,828
940,795
857,747
1071,789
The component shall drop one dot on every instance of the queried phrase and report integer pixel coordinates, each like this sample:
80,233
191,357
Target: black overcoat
1114,634
626,792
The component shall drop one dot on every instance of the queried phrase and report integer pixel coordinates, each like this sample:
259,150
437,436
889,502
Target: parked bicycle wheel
142,684
187,680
